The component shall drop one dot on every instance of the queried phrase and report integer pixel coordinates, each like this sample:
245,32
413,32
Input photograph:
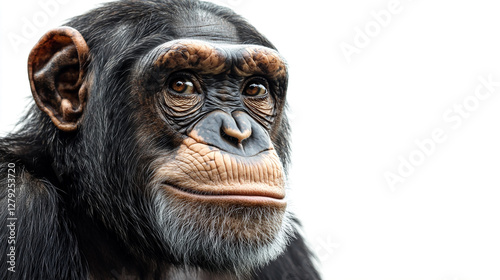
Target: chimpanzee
157,148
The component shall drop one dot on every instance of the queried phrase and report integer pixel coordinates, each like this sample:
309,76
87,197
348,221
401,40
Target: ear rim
83,55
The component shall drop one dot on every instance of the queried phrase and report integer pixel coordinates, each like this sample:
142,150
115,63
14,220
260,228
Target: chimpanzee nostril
233,140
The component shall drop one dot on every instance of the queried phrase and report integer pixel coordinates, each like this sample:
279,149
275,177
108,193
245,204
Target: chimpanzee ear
56,69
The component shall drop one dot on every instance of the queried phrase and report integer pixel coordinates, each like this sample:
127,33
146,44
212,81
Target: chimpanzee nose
236,129
237,133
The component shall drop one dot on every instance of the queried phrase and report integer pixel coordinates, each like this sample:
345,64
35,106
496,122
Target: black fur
78,200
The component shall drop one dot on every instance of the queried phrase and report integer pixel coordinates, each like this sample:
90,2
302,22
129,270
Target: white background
355,121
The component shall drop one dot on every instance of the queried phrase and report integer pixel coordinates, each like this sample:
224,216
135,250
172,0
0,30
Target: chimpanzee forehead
213,58
204,25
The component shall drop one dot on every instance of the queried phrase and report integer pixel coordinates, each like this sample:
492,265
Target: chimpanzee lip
234,196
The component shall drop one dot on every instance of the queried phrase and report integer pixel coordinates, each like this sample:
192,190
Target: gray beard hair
200,236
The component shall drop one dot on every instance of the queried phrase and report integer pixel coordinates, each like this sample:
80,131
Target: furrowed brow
257,60
207,58
199,56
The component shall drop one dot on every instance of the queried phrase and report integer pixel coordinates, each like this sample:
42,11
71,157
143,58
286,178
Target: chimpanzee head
168,133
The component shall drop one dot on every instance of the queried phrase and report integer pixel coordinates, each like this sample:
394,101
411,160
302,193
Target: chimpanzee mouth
242,196
203,173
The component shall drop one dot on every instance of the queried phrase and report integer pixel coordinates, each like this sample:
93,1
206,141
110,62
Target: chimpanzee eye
182,85
255,90
256,87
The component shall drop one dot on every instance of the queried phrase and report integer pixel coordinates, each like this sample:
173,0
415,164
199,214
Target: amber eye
182,85
255,89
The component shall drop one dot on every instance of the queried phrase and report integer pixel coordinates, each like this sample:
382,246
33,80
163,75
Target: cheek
181,106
